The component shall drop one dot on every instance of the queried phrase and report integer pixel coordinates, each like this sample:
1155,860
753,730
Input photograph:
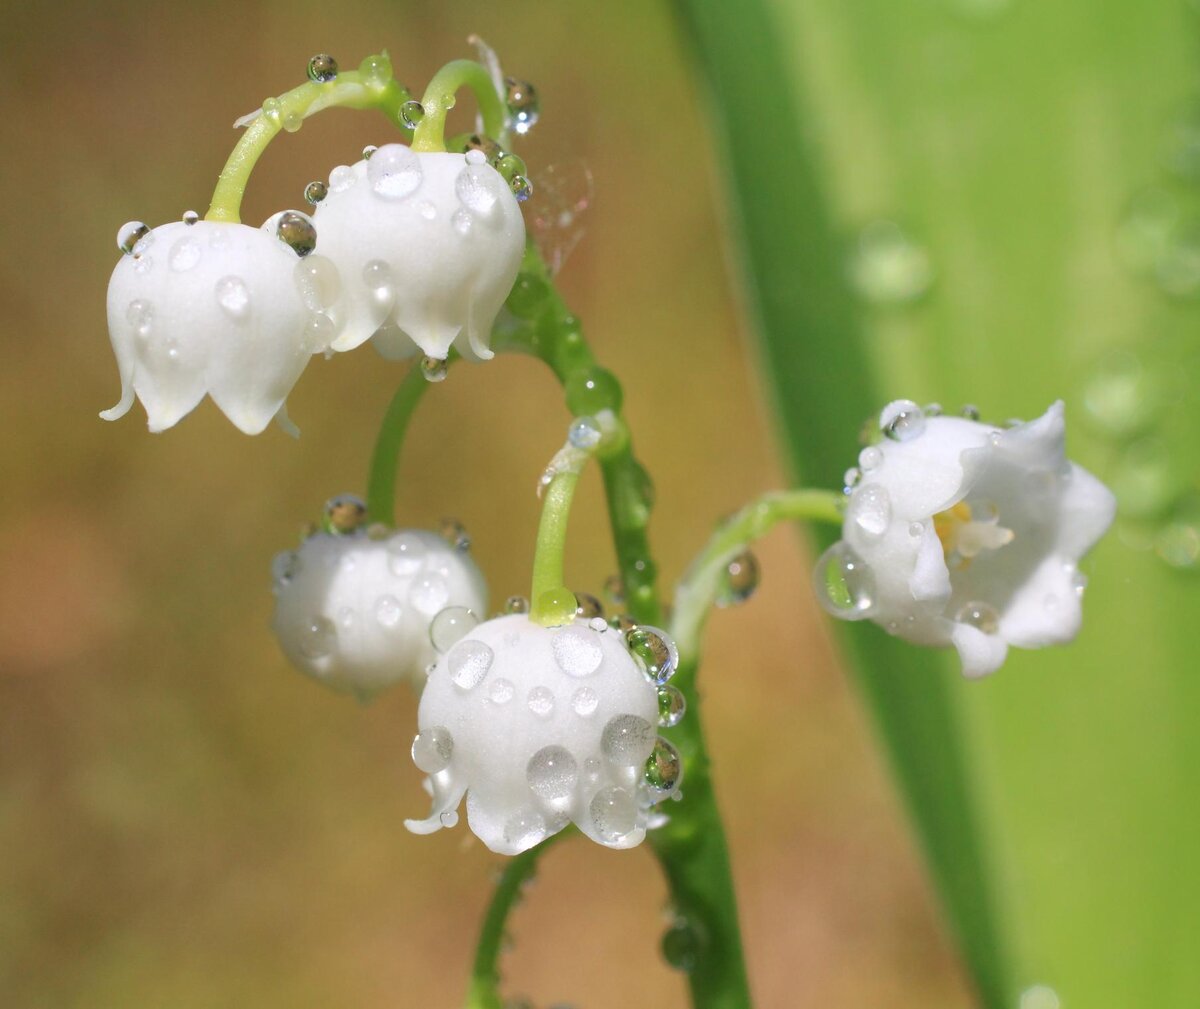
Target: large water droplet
614,812
655,652
185,254
412,113
521,186
523,104
663,768
477,188
871,510
982,616
406,553
234,297
627,740
376,70
844,585
297,232
739,580
525,829
552,773
388,611
318,637
432,749
468,663
322,68
577,651
130,235
888,267
541,701
902,420
450,626
672,706
584,433
394,171
434,369
429,593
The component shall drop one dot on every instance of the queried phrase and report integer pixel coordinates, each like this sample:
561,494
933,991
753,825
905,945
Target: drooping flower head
360,610
960,533
198,307
542,726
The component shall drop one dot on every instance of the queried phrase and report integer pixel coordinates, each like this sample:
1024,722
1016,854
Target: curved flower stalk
363,609
958,533
203,307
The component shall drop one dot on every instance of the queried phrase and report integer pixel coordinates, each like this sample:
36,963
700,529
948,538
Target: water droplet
552,773
523,105
516,604
588,607
284,567
454,533
185,254
521,186
888,267
190,217
460,220
271,110
739,580
322,68
902,420
233,296
394,172
916,529
450,626
1079,582
449,818
406,551
541,701
979,615
585,701
614,589
845,586
682,945
297,232
432,749
427,210
577,651
292,121
468,663
429,593
501,691
524,829
377,274
627,740
434,369
614,812
871,510
376,70
477,189
870,458
486,146
663,768
851,479
140,315
584,433
315,192
412,113
342,178
654,651
345,513
388,611
672,706
318,637
143,264
970,412
368,151
130,235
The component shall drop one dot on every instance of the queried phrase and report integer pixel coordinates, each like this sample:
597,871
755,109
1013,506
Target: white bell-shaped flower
542,726
361,612
959,533
428,246
199,307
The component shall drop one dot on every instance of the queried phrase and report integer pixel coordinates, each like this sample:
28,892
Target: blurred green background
1007,187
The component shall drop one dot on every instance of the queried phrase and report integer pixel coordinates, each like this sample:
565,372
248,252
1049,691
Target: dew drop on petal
318,281
970,412
672,706
297,232
524,829
318,637
627,740
541,701
234,297
394,172
284,568
521,186
406,552
449,818
190,217
552,773
979,615
129,235
584,702
577,651
655,652
377,274
501,691
468,663
454,533
516,604
315,192
870,458
322,68
184,254
345,513
434,369
429,593
341,178
368,151
140,315
388,611
450,626
584,433
523,104
432,749
870,510
614,813
902,420
588,607
476,189
663,768
412,113
844,584
461,222
739,580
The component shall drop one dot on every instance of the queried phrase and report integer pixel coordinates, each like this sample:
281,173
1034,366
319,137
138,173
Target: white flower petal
1046,610
1087,509
981,653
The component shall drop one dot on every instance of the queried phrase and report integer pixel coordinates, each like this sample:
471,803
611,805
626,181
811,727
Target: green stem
354,89
552,604
439,99
485,975
385,459
696,593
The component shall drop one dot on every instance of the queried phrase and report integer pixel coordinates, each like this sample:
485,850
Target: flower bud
199,307
360,613
428,246
959,533
542,726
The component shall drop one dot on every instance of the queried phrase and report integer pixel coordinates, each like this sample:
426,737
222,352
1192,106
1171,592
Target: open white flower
428,246
958,533
359,612
199,307
541,726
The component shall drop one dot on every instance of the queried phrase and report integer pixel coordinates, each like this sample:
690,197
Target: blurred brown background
184,820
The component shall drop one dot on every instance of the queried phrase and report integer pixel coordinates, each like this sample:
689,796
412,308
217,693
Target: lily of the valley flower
542,726
198,307
360,612
428,246
959,533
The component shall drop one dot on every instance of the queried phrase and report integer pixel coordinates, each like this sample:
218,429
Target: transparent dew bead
672,706
654,651
233,297
454,533
475,188
552,773
870,458
902,420
388,611
319,333
342,178
970,412
525,828
501,691
870,510
434,369
614,812
432,749
429,593
406,553
541,701
190,217
516,604
345,513
523,105
584,702
682,945
584,433
271,110
318,638
129,235
577,651
315,192
932,409
663,768
185,253
450,626
292,121
376,70
490,150
588,606
844,584
739,580
627,740
448,818
297,232
851,479
284,568
322,68
979,615
140,316
318,282
412,113
521,186
394,172
377,275
468,663
368,151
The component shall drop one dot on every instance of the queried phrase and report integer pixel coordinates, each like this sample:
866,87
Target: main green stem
439,99
385,459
